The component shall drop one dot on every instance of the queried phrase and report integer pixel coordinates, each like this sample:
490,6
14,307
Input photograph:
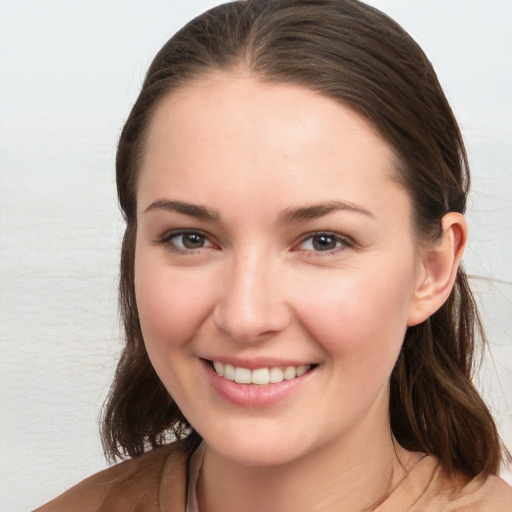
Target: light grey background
69,72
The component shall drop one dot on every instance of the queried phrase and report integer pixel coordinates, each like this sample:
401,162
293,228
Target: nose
251,306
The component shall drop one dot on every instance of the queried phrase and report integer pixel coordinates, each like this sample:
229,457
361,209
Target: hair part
356,55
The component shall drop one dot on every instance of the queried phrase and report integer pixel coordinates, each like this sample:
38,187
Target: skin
256,287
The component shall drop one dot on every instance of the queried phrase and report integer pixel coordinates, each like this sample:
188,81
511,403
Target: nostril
248,323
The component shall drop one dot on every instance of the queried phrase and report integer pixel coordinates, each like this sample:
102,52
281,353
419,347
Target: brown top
153,482
428,488
157,482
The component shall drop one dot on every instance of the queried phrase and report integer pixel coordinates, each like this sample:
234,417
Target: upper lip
257,362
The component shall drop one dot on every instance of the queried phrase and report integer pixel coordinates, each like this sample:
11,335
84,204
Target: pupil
193,240
324,243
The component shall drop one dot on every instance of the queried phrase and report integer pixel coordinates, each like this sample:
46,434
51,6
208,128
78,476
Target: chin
258,457
257,448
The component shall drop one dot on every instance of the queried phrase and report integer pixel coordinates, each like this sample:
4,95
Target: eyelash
342,242
167,240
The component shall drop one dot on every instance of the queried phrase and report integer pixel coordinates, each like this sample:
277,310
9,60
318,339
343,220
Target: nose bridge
250,303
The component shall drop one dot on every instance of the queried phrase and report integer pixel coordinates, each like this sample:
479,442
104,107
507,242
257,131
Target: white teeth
260,376
276,375
301,370
242,375
219,368
229,372
289,373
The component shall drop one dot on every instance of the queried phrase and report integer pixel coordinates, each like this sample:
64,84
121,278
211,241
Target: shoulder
428,488
478,494
147,481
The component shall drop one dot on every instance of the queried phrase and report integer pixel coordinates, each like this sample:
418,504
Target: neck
353,475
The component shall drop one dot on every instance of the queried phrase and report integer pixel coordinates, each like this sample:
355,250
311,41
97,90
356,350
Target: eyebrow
315,211
287,216
194,210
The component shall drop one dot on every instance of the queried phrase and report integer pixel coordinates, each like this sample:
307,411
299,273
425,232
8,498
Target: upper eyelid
346,243
168,235
333,234
183,231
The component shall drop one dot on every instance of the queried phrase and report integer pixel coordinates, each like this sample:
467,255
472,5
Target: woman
294,184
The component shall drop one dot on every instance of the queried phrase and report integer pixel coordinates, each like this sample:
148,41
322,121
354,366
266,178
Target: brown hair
357,55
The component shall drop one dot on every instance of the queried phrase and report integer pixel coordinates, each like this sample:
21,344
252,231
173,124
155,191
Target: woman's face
273,243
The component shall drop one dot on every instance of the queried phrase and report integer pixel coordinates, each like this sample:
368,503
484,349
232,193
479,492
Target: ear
437,270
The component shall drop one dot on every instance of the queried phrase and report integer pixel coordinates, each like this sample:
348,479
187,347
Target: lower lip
254,395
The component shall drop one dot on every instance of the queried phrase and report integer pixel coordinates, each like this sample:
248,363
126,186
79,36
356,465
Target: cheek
172,305
362,316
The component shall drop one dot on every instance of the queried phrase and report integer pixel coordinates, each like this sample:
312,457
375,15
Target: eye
184,241
324,242
190,240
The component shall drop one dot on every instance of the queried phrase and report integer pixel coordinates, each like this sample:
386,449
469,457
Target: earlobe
438,269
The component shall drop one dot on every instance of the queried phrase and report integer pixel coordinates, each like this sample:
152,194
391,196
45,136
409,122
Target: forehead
237,132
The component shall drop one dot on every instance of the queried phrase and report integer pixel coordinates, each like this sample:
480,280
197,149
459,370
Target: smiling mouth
260,376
